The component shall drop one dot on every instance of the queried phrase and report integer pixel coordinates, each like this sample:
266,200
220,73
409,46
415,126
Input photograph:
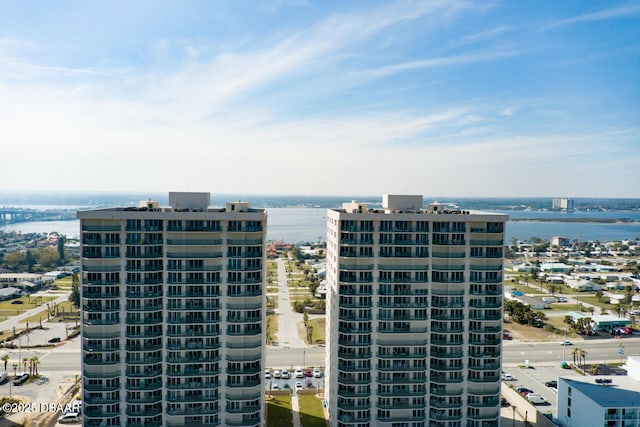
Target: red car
308,373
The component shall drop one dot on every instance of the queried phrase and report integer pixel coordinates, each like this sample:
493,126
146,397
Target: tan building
414,330
173,319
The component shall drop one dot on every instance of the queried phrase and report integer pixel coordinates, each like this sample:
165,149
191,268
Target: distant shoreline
579,220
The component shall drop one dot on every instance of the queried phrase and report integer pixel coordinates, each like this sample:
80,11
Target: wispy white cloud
506,112
467,58
624,11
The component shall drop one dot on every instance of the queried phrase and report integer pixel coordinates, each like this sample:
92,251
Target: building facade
563,204
173,318
414,328
598,401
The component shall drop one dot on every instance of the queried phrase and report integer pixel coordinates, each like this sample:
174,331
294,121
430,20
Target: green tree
29,259
48,257
74,297
5,359
61,254
14,261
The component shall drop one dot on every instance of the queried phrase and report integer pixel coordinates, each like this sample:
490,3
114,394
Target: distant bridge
9,215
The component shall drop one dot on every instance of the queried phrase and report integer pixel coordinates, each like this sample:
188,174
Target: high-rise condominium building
414,327
172,314
563,204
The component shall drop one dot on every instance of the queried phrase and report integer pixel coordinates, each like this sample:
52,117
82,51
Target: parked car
524,390
267,374
54,340
299,385
308,373
506,377
70,417
21,379
285,374
299,373
3,377
551,383
317,373
276,374
536,399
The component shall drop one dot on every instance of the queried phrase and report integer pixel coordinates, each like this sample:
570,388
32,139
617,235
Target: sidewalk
288,320
15,320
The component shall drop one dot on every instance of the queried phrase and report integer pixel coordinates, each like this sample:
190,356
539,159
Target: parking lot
307,382
534,379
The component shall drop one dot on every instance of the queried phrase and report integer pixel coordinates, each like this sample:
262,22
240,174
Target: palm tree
583,355
5,359
574,353
35,361
25,360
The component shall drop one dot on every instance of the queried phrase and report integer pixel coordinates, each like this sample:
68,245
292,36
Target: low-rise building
598,401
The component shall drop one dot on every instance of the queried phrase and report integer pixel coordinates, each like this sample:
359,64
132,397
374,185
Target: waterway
309,225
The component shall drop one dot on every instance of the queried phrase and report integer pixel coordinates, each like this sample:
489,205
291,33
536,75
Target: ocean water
309,225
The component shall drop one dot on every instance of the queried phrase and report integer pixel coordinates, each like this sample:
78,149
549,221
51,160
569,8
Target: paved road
288,320
598,350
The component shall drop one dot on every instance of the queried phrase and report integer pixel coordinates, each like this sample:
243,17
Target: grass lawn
317,333
279,411
64,283
25,303
272,327
311,414
65,306
527,290
594,301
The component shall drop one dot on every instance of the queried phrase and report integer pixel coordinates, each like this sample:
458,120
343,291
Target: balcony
194,242
402,392
194,255
406,418
100,387
487,403
477,267
438,254
193,371
101,228
486,379
245,242
407,330
394,355
353,342
448,355
445,380
354,356
355,330
401,367
346,393
193,385
145,307
352,380
144,399
498,242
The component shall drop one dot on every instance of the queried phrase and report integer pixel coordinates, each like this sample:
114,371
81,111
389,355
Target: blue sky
452,98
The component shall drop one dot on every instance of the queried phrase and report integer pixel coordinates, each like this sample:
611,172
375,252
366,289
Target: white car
267,374
285,374
566,342
506,377
317,373
299,385
69,417
299,373
276,374
536,399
